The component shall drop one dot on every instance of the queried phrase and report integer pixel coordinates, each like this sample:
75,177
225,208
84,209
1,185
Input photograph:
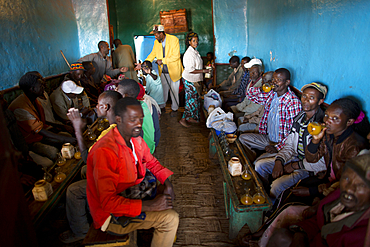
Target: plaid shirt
289,107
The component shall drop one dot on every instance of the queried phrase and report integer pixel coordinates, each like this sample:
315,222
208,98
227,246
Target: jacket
291,144
350,231
336,150
172,56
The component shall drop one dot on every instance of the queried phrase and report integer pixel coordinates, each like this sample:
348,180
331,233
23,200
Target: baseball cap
77,66
318,86
71,87
157,28
254,61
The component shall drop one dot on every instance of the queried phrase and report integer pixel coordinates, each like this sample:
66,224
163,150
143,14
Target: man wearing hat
75,73
68,95
167,51
290,160
342,217
102,63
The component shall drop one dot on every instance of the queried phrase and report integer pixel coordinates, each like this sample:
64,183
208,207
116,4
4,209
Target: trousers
77,208
165,225
253,140
264,166
166,81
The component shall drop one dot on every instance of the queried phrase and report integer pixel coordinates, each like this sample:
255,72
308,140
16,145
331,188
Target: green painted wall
131,18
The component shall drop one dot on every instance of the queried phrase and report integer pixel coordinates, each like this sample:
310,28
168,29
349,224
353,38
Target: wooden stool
97,238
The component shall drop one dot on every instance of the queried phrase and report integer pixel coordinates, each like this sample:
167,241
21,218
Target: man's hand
271,149
310,211
288,168
75,117
159,62
137,66
301,191
317,138
278,169
69,129
123,69
159,203
168,189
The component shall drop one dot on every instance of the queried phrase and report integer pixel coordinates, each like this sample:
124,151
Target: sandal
68,237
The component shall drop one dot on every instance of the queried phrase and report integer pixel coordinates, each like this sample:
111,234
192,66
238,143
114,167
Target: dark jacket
336,150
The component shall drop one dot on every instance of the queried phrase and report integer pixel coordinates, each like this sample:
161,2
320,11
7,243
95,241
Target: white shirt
192,61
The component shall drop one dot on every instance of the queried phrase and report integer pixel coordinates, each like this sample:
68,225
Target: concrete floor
197,182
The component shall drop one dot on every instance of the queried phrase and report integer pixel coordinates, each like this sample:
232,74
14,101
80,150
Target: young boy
153,83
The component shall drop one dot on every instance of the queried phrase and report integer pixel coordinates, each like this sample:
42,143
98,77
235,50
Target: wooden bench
95,237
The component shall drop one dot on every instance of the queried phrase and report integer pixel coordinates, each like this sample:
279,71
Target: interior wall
92,24
318,40
33,33
231,29
138,17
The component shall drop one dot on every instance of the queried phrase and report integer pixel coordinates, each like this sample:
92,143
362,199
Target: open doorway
143,47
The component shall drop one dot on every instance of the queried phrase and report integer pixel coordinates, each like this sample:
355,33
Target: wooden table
235,187
39,210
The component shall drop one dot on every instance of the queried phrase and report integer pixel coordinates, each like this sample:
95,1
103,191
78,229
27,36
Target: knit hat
361,165
318,86
77,66
71,87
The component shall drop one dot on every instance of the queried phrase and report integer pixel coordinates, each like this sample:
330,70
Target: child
153,83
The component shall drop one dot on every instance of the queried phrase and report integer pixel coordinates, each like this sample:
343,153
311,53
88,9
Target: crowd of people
299,167
327,171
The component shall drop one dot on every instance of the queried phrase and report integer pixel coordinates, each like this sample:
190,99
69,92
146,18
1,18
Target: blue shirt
273,120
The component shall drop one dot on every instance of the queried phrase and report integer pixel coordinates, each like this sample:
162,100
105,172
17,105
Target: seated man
281,105
76,193
252,112
66,96
153,83
87,82
130,88
255,80
31,118
342,217
290,160
119,161
102,63
233,81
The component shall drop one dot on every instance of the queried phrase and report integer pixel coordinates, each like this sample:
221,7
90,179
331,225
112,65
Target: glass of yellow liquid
90,134
77,154
100,124
246,175
60,175
314,128
258,198
267,87
246,199
60,160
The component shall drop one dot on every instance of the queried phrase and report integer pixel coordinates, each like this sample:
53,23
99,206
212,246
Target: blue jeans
264,166
77,208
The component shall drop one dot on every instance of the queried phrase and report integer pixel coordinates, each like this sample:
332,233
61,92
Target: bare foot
184,123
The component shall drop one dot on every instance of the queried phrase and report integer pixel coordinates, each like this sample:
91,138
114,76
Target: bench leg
239,219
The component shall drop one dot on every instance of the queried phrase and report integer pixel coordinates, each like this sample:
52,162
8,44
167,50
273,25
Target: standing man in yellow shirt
167,51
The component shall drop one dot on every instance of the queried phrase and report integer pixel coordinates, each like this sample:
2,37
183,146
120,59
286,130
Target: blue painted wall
230,29
317,40
32,34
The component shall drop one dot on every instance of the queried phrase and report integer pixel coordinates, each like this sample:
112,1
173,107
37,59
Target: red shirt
111,169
